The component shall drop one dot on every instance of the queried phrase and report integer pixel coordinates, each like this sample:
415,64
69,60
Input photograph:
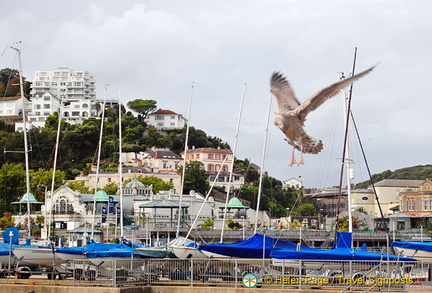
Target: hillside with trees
78,151
9,83
420,172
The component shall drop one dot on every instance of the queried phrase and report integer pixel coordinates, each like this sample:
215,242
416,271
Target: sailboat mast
25,139
98,162
348,169
232,163
184,164
344,152
56,146
262,164
120,170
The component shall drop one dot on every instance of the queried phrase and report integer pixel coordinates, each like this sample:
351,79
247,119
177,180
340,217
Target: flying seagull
292,115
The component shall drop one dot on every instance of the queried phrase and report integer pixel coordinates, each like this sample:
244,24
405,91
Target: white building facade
166,120
213,161
75,87
42,106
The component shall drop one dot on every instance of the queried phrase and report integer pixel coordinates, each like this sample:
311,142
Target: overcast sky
158,49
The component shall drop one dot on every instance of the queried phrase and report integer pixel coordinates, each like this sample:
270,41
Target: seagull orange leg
301,161
293,160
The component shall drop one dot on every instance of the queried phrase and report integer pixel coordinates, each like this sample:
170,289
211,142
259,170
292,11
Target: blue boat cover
342,251
95,249
256,246
425,246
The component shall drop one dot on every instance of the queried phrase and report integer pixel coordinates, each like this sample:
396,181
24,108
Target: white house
11,106
42,105
166,119
156,160
295,183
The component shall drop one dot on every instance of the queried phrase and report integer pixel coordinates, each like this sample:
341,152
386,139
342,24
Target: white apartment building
166,119
75,87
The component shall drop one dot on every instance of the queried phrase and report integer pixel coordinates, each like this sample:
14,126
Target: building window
160,124
411,204
218,157
210,167
172,117
159,117
47,106
109,179
197,156
210,156
225,168
428,203
47,98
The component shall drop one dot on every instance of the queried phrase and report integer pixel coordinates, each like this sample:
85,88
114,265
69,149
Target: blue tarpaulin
342,251
256,246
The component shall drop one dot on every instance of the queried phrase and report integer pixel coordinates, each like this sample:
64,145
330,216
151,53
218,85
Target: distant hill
420,172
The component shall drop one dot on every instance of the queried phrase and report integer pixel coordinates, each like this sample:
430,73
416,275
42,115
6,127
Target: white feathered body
291,115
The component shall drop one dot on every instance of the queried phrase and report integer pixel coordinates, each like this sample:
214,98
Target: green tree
143,107
79,185
111,188
208,224
9,78
42,179
195,178
6,221
342,223
12,185
306,209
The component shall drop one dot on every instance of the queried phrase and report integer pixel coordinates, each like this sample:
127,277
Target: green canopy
235,203
28,197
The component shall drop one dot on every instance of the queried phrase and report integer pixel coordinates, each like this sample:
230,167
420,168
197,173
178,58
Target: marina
158,275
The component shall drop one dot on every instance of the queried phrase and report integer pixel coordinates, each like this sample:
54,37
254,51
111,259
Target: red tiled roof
160,111
208,150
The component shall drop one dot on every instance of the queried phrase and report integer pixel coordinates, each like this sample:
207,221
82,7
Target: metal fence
266,273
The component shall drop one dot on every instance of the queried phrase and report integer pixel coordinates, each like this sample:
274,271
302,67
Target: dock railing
392,276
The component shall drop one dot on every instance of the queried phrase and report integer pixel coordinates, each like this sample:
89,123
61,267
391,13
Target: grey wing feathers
283,92
326,93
